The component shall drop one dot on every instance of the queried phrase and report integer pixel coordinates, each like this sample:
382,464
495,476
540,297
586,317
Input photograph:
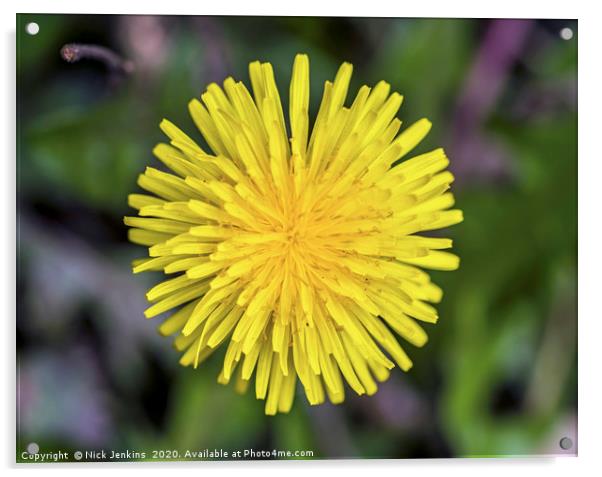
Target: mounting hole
33,448
32,28
566,33
566,443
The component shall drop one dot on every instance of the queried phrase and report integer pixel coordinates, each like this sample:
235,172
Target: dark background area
498,376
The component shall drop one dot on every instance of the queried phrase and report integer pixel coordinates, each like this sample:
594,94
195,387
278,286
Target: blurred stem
74,52
554,362
502,46
475,154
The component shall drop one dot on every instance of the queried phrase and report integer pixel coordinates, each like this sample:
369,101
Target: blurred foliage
498,375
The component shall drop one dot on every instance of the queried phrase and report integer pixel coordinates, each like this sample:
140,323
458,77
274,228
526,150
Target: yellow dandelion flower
299,250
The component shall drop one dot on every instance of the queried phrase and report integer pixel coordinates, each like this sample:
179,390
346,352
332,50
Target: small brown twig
74,52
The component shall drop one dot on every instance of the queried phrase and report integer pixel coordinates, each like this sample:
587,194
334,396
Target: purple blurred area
61,396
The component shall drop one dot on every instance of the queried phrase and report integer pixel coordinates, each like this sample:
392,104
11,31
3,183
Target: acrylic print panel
295,238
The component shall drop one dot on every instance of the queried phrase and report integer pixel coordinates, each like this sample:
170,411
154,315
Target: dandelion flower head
295,249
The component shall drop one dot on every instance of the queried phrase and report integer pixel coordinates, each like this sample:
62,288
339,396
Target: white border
373,8
590,79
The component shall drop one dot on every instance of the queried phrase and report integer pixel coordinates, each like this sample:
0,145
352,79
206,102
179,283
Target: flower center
295,233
